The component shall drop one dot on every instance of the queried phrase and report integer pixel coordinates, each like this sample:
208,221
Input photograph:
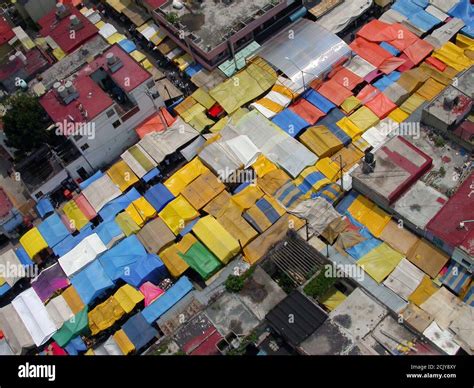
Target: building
100,106
34,9
212,31
67,27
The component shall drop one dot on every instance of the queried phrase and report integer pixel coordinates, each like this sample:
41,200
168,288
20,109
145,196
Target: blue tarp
107,231
193,69
406,7
161,305
23,256
128,45
240,187
319,101
91,179
423,20
44,207
53,230
390,48
147,268
111,209
288,194
330,193
15,221
330,121
71,241
189,226
469,297
75,346
139,331
456,277
91,282
346,202
464,11
387,80
361,249
151,174
4,289
159,196
290,122
310,180
267,209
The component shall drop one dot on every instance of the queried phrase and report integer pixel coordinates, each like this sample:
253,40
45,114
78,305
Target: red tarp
398,36
216,110
370,51
307,111
347,78
407,65
334,92
150,292
367,93
418,51
373,31
391,64
436,63
381,106
155,123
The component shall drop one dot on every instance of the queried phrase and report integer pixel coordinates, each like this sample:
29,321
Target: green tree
25,124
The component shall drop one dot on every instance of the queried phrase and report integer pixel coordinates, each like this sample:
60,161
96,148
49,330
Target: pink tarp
367,94
85,206
155,123
49,281
150,292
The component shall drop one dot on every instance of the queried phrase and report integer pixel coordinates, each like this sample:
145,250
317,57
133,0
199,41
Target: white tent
244,149
59,311
108,348
14,329
12,267
34,315
82,254
101,191
404,279
129,157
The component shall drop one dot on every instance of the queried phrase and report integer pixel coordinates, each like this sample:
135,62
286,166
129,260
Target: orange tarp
307,111
347,78
381,105
155,123
418,51
334,91
371,52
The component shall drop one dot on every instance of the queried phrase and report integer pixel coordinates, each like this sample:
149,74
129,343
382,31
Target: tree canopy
25,124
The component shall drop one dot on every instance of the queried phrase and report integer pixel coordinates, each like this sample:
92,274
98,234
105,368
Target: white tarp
220,159
341,16
161,144
190,151
244,149
444,33
391,16
404,279
34,315
107,30
463,327
59,311
443,306
318,213
10,265
134,164
275,143
82,254
444,5
14,329
101,191
441,338
359,66
108,348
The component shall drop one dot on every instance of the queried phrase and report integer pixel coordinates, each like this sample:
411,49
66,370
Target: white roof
404,279
134,164
108,348
100,192
441,338
34,315
341,16
107,30
59,311
443,306
14,329
82,254
244,149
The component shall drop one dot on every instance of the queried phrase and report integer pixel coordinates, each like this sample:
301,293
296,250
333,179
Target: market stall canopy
299,57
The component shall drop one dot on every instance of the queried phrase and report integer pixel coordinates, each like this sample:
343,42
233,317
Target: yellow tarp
141,211
360,143
315,186
183,61
263,166
398,115
203,189
260,220
333,298
33,242
77,219
369,214
412,103
73,300
349,128
246,198
125,222
123,342
171,258
201,96
244,86
147,65
115,38
272,181
105,315
423,291
178,213
158,37
230,217
350,104
464,42
138,55
321,141
349,156
430,89
200,121
185,175
100,24
118,5
58,53
330,169
453,56
122,175
128,297
380,262
364,118
217,239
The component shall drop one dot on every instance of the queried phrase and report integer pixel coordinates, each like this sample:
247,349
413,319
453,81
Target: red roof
60,30
154,4
91,96
6,32
128,77
445,224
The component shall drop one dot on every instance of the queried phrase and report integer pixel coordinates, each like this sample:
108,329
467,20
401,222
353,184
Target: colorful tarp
33,242
49,281
178,213
139,331
155,235
380,262
122,175
199,258
91,282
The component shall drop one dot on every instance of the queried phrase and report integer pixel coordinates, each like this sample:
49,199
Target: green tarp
199,258
72,328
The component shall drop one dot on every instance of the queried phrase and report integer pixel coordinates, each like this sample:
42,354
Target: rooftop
212,22
398,165
446,224
6,32
61,32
